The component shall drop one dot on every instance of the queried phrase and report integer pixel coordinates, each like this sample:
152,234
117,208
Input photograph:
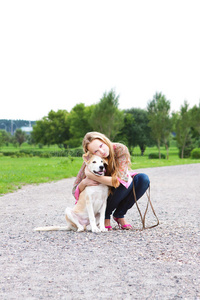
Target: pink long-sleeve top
125,175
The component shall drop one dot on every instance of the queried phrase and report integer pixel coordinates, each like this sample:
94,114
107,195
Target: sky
56,54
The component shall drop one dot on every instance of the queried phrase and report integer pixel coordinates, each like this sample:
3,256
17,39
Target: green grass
15,172
139,161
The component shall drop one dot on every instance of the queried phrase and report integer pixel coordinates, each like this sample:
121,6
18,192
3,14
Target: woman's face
98,147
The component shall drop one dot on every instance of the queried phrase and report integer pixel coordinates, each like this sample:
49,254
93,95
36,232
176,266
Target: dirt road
160,263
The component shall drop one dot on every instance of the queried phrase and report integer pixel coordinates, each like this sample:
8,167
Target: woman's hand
88,174
90,182
87,182
107,180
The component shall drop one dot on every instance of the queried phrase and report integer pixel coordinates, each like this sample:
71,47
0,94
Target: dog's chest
97,194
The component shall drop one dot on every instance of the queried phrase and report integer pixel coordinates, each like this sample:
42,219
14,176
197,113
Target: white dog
91,206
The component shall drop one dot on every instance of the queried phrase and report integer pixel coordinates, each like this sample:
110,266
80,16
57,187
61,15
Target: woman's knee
145,179
142,179
141,182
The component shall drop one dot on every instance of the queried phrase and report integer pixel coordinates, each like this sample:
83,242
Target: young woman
117,177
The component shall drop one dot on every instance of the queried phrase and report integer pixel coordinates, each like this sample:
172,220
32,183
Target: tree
1,139
39,133
182,121
58,126
106,117
195,112
5,137
126,135
20,136
53,129
79,123
159,119
136,128
195,123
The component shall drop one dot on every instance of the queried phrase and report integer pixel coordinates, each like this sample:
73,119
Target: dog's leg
102,218
97,219
68,214
91,215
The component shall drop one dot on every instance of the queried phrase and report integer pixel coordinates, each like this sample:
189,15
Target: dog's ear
87,156
105,160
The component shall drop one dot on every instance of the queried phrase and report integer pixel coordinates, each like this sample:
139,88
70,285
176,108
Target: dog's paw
96,229
80,229
103,229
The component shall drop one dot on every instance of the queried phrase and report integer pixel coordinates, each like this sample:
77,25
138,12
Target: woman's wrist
82,185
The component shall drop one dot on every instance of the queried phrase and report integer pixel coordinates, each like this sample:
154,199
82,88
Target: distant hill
12,125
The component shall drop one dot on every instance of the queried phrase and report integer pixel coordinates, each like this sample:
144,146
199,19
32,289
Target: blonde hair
112,168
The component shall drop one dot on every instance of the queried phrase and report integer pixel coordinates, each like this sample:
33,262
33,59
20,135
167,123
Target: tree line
133,127
12,125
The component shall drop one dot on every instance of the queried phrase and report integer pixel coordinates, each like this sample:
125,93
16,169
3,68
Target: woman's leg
141,183
116,197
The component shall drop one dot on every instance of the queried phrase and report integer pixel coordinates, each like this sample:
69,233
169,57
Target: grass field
15,172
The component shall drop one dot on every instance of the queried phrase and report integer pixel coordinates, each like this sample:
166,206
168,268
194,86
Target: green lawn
15,172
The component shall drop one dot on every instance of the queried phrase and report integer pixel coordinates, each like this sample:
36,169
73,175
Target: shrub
20,154
156,156
186,154
9,153
189,146
26,151
195,153
45,154
36,153
76,152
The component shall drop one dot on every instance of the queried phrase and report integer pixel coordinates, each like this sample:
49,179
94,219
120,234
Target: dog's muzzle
101,171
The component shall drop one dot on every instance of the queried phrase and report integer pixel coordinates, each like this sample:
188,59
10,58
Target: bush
76,152
186,154
9,153
45,154
195,153
20,154
156,156
26,151
189,146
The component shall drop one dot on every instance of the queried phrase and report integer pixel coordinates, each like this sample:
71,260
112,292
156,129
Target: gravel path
159,263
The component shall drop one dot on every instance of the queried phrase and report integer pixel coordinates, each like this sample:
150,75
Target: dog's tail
52,228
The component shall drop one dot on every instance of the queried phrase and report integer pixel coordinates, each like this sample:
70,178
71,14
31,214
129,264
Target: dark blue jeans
121,199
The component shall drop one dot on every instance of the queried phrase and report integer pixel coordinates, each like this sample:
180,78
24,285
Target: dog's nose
101,168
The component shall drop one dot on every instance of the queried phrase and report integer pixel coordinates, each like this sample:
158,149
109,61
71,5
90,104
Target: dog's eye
94,162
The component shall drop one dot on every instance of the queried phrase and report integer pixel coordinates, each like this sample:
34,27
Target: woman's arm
86,182
81,182
107,180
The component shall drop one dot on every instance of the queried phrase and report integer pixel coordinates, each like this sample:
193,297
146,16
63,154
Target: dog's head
95,163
